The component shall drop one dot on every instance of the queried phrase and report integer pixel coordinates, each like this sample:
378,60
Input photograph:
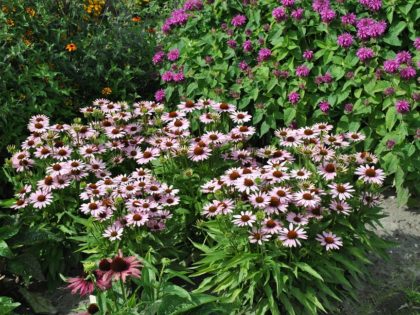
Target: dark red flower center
292,234
104,264
119,264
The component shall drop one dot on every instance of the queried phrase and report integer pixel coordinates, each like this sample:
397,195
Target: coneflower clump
292,193
132,137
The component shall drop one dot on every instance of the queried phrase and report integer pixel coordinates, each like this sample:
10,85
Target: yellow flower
106,90
71,47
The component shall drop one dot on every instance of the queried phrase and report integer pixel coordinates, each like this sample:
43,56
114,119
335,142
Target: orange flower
30,11
136,18
71,47
106,90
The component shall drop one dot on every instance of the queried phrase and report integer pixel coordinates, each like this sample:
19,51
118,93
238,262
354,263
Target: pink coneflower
212,209
301,174
198,153
83,286
355,136
258,236
123,267
137,218
275,174
370,175
307,199
328,171
188,106
147,155
246,184
61,182
290,236
25,190
297,218
284,194
240,117
113,232
329,240
43,152
371,200
213,137
340,207
93,207
63,153
46,184
208,118
58,169
271,226
20,203
291,140
259,200
341,191
276,205
40,199
246,218
231,175
366,158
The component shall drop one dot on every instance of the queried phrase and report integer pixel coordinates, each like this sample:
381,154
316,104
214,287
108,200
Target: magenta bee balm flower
238,20
365,54
345,40
264,54
402,106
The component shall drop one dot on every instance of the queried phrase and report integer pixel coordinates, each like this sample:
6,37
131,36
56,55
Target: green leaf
287,305
271,301
8,231
38,303
4,249
192,87
308,269
171,289
392,40
265,127
390,118
395,30
7,305
289,115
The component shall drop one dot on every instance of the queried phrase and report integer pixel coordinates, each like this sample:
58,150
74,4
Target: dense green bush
299,62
